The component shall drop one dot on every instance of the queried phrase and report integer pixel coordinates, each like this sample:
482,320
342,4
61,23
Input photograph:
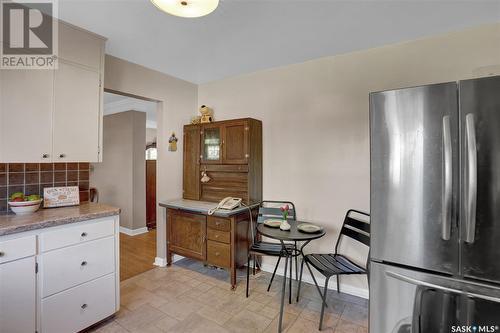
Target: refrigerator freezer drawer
404,301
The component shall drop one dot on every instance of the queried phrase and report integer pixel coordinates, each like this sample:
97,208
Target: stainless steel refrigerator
435,208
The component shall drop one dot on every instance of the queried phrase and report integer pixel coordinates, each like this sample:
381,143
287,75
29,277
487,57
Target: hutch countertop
202,207
44,218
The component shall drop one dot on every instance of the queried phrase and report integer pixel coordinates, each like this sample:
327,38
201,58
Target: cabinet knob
217,254
217,223
84,263
62,155
216,236
2,254
45,156
84,306
84,234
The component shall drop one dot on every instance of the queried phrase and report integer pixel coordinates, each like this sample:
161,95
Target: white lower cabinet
79,307
74,265
17,296
76,283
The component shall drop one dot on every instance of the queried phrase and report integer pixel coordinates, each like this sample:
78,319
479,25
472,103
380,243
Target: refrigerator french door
480,178
414,177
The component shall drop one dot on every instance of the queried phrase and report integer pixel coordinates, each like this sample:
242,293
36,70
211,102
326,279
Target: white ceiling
243,36
114,103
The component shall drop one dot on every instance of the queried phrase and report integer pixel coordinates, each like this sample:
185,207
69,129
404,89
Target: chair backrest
272,210
355,228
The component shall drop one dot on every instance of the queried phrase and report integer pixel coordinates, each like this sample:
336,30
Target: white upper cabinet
80,46
76,114
55,115
26,115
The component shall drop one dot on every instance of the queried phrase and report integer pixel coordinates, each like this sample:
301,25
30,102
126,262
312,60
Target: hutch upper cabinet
55,115
230,153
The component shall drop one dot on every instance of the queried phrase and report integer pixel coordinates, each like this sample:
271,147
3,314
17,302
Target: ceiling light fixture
187,8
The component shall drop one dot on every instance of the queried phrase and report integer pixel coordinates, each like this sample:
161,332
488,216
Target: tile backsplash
32,178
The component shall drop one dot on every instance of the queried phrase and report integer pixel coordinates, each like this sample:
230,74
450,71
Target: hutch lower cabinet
221,241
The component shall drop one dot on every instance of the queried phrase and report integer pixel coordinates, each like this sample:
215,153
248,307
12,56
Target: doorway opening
126,178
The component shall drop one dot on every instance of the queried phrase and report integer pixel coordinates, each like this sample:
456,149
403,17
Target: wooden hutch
230,153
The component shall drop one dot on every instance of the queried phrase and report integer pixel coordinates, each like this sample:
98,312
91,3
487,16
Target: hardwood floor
137,254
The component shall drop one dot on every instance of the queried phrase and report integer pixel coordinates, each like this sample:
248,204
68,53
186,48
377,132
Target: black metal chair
268,210
337,264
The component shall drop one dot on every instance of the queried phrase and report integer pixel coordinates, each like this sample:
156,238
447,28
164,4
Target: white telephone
228,203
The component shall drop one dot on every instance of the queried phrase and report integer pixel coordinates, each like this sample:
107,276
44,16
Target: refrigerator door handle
471,181
447,180
417,282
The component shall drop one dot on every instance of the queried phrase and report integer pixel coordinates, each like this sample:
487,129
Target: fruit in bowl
24,204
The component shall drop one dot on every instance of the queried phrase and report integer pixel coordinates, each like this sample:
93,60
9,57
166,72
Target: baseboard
162,262
306,277
133,232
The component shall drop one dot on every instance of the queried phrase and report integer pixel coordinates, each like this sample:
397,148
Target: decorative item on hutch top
207,114
172,142
61,196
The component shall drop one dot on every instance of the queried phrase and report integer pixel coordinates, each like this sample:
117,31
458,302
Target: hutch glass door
211,144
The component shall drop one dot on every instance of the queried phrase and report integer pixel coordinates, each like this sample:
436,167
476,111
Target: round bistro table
293,235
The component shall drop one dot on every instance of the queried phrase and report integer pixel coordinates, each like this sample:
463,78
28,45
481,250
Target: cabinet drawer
219,223
219,254
79,307
65,268
17,248
76,234
219,236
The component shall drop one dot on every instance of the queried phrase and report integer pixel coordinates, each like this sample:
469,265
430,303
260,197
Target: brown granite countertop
44,218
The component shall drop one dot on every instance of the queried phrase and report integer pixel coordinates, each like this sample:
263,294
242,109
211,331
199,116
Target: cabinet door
191,175
211,142
76,114
17,296
187,234
26,115
79,46
235,143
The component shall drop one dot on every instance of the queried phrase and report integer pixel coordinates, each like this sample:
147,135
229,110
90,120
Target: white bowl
25,207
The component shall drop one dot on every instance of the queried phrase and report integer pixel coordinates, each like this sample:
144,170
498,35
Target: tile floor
189,297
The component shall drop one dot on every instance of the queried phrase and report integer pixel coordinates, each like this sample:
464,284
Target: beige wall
315,119
178,100
150,135
120,178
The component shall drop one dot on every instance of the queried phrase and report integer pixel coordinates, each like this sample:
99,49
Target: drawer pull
216,236
217,223
2,254
84,234
84,263
84,306
217,254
